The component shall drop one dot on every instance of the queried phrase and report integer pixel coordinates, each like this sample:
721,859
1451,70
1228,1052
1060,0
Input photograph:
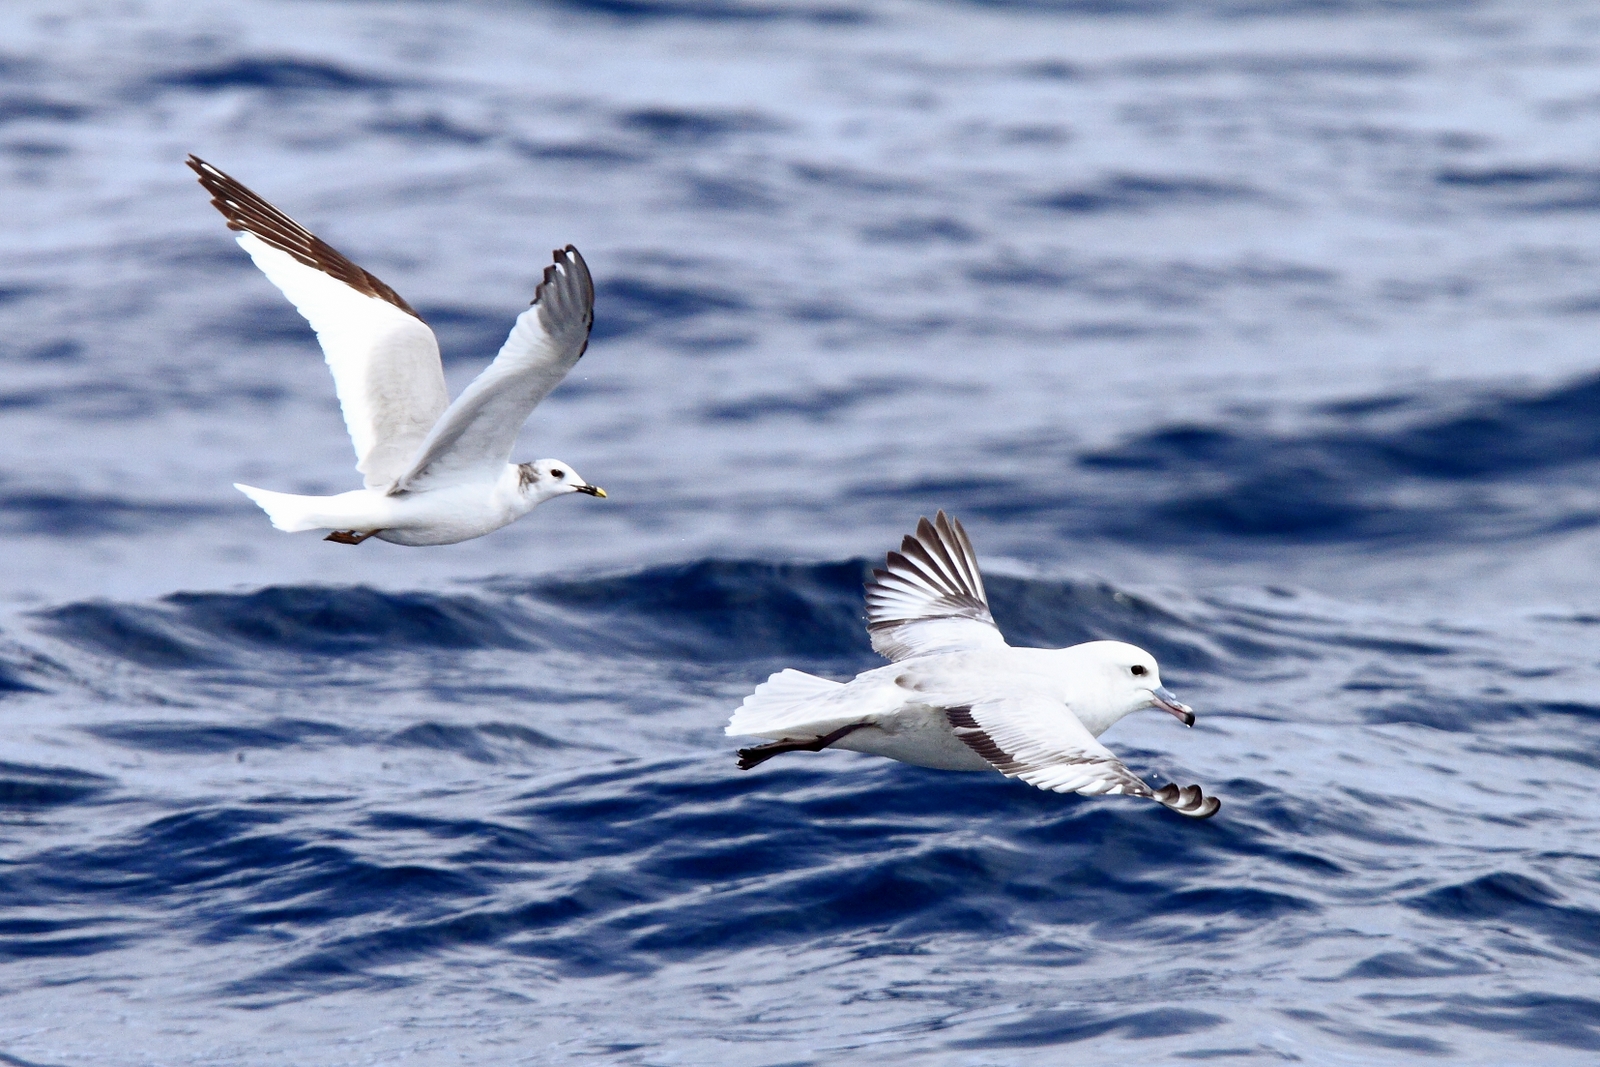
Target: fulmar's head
1120,679
546,478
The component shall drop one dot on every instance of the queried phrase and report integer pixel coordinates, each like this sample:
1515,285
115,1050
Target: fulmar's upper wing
474,437
928,597
384,359
1040,741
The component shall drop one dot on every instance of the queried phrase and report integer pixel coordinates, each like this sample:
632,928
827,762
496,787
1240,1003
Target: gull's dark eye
1138,668
558,473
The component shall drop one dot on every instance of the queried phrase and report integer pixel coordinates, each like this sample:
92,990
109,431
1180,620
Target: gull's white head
1111,679
545,478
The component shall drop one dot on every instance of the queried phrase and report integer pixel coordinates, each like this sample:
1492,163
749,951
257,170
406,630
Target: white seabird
958,697
436,472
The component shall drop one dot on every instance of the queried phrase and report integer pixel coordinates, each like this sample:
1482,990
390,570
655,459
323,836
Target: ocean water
1258,333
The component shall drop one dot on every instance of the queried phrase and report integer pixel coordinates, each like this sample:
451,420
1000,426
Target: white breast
447,515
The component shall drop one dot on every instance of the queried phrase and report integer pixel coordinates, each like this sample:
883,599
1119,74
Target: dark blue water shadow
280,74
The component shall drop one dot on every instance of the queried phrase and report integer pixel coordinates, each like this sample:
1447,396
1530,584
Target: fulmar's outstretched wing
384,358
928,597
474,438
1041,742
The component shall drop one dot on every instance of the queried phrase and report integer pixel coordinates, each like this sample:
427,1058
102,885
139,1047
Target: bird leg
349,537
750,757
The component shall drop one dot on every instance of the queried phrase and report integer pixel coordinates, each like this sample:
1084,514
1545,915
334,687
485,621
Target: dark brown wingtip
1189,801
247,212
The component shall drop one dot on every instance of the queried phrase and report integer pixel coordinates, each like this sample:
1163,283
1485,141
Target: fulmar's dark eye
1138,668
558,473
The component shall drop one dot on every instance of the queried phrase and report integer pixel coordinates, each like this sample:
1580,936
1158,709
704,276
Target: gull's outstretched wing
384,359
1040,741
929,596
474,437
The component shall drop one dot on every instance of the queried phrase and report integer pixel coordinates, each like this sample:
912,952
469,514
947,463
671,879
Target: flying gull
958,697
436,472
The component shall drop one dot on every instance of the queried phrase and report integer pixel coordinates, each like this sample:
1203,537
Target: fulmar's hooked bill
958,697
436,472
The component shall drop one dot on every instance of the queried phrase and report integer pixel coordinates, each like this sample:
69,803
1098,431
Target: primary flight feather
435,472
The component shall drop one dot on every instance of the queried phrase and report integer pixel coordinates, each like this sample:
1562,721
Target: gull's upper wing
1040,741
929,596
384,359
474,437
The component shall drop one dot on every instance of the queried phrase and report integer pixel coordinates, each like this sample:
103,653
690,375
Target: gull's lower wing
1040,741
929,597
384,359
475,436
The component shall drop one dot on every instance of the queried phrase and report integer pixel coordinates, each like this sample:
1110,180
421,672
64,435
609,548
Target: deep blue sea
1262,334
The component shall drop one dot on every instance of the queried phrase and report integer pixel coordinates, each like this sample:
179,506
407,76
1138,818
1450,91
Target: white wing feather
385,363
474,437
929,597
384,359
1040,741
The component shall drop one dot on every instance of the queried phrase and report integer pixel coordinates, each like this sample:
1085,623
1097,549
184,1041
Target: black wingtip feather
565,294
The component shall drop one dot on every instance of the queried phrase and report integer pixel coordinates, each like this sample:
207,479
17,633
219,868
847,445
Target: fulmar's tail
778,701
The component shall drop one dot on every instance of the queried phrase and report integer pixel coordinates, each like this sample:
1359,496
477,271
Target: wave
372,782
39,109
1051,1028
715,862
633,305
1530,189
75,515
720,11
26,786
1232,11
1140,192
195,630
711,611
1489,471
279,74
1519,902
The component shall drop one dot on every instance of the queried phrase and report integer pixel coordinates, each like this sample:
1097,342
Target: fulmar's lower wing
474,437
928,597
384,359
1041,742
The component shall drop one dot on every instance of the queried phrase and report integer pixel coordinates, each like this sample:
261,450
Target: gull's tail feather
776,700
290,513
